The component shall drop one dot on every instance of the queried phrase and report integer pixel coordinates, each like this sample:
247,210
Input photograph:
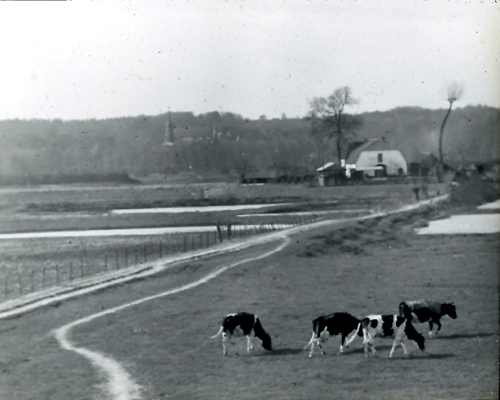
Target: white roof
326,166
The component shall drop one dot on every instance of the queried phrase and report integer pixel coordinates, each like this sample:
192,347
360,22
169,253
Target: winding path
118,383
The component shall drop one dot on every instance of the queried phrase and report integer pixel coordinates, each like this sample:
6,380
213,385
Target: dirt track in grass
164,343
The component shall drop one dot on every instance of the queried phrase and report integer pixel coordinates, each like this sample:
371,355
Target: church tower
169,132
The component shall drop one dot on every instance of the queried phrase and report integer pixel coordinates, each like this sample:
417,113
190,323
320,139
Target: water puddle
302,213
178,210
490,206
463,224
138,231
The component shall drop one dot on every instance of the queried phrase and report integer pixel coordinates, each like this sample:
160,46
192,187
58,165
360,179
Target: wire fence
26,279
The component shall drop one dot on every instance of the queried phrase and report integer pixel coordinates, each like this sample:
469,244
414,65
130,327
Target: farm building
377,158
425,164
331,174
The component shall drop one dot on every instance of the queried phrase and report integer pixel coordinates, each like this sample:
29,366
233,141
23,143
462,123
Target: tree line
228,144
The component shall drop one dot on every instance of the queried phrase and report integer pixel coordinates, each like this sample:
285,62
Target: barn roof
370,145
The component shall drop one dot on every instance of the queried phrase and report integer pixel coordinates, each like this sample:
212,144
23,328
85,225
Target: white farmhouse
377,158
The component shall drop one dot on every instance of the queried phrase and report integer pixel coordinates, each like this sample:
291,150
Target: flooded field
179,210
463,224
490,206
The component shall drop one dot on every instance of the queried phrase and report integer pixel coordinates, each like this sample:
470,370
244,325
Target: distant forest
226,144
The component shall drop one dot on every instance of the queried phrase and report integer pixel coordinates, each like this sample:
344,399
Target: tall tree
453,92
332,118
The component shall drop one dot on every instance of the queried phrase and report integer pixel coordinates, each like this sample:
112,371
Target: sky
86,59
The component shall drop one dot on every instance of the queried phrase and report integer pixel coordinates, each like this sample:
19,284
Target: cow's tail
217,334
359,329
364,324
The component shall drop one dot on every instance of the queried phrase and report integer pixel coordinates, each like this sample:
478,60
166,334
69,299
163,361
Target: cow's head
412,334
420,340
266,342
404,311
449,308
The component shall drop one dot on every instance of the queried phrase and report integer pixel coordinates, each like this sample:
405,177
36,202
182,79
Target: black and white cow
385,326
243,324
421,311
331,325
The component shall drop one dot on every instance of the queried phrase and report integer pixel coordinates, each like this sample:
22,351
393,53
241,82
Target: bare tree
243,165
454,91
332,119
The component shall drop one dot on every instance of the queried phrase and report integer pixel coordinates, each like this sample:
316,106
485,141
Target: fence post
43,278
71,272
192,243
6,285
161,249
20,282
81,266
136,255
58,279
105,262
219,232
185,244
32,276
117,259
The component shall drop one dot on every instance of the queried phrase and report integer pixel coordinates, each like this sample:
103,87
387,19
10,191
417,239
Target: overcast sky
99,59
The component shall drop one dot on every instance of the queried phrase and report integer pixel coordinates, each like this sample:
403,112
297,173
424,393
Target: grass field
28,265
104,198
363,268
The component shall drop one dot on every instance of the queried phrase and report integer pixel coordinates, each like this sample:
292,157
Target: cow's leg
311,341
438,323
224,338
321,347
342,341
366,344
369,346
366,349
249,343
312,348
404,348
394,344
430,327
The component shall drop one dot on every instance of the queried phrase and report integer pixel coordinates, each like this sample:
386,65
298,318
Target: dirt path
118,384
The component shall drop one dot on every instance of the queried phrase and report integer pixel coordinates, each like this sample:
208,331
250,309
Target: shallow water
490,206
463,224
137,231
178,210
302,213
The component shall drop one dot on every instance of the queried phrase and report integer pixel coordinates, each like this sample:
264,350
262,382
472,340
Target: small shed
258,177
424,164
331,174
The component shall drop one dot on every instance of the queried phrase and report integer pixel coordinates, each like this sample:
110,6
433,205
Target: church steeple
169,132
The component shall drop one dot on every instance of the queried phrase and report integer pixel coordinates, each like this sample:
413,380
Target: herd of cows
399,327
